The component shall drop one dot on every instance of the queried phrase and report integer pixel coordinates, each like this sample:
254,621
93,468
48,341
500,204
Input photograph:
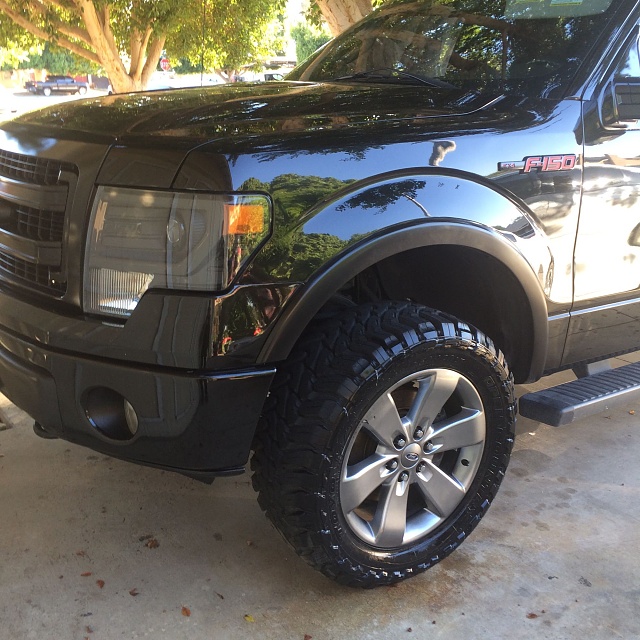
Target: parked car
57,84
344,272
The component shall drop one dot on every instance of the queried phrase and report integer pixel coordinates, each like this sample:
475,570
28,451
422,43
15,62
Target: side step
584,397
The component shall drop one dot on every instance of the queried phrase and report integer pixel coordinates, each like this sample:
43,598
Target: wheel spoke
442,492
462,430
433,392
390,521
383,421
362,479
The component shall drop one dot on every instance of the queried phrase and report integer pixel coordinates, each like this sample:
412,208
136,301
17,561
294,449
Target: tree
307,40
227,35
110,32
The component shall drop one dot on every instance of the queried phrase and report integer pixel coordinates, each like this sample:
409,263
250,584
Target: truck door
606,311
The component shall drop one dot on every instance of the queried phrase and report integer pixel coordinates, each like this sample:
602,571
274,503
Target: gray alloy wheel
407,444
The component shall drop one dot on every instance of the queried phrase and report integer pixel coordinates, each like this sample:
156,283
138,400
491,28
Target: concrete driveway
101,549
13,103
17,101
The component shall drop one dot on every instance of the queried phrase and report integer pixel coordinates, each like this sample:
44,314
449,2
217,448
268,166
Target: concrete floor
14,102
101,549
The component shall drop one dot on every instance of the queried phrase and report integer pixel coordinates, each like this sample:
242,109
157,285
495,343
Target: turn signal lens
245,218
190,241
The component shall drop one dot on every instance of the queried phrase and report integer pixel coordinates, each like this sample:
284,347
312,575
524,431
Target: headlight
189,241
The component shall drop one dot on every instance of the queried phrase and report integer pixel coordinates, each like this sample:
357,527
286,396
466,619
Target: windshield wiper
391,74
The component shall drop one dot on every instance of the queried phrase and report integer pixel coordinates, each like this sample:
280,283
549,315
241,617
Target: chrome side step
584,397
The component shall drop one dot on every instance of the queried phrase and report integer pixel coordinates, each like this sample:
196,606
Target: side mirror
627,98
620,103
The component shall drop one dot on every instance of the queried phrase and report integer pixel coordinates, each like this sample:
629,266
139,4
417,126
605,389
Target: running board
584,397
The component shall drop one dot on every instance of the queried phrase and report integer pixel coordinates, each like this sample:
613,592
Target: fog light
131,417
110,413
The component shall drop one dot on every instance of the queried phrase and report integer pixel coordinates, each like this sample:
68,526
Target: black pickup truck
57,84
344,272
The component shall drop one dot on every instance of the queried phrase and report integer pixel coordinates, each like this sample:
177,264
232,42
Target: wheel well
467,283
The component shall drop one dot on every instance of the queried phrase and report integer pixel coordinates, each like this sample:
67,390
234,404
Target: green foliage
17,51
296,194
313,15
226,35
307,40
184,65
230,33
58,61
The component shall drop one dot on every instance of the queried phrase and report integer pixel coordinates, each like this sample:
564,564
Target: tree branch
23,22
139,44
59,25
145,42
101,38
56,3
136,52
106,15
155,50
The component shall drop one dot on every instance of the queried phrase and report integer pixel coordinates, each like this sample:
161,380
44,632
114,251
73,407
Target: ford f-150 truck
344,273
57,84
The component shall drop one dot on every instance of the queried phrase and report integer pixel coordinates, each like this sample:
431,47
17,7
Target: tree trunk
340,14
99,30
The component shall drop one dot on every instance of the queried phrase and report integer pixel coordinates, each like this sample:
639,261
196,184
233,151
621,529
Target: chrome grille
33,199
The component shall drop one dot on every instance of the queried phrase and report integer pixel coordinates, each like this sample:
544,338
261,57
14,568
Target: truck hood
192,116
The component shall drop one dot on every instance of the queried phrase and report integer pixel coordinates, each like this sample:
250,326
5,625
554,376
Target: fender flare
317,291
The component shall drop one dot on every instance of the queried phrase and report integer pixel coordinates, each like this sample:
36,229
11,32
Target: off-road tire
339,369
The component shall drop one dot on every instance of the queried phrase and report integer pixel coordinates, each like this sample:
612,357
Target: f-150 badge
564,162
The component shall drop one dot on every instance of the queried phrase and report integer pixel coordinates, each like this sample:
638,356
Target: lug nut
399,442
403,477
428,447
419,433
393,465
421,467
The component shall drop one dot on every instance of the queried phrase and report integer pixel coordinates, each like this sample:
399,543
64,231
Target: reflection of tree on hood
384,196
297,254
294,195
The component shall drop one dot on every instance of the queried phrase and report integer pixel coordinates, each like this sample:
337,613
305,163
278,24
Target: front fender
341,237
304,243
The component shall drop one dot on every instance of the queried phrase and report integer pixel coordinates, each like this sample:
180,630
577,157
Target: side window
630,63
620,102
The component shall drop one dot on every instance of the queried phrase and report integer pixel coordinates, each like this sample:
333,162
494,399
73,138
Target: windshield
530,45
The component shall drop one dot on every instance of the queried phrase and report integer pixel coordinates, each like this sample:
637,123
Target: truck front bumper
192,422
